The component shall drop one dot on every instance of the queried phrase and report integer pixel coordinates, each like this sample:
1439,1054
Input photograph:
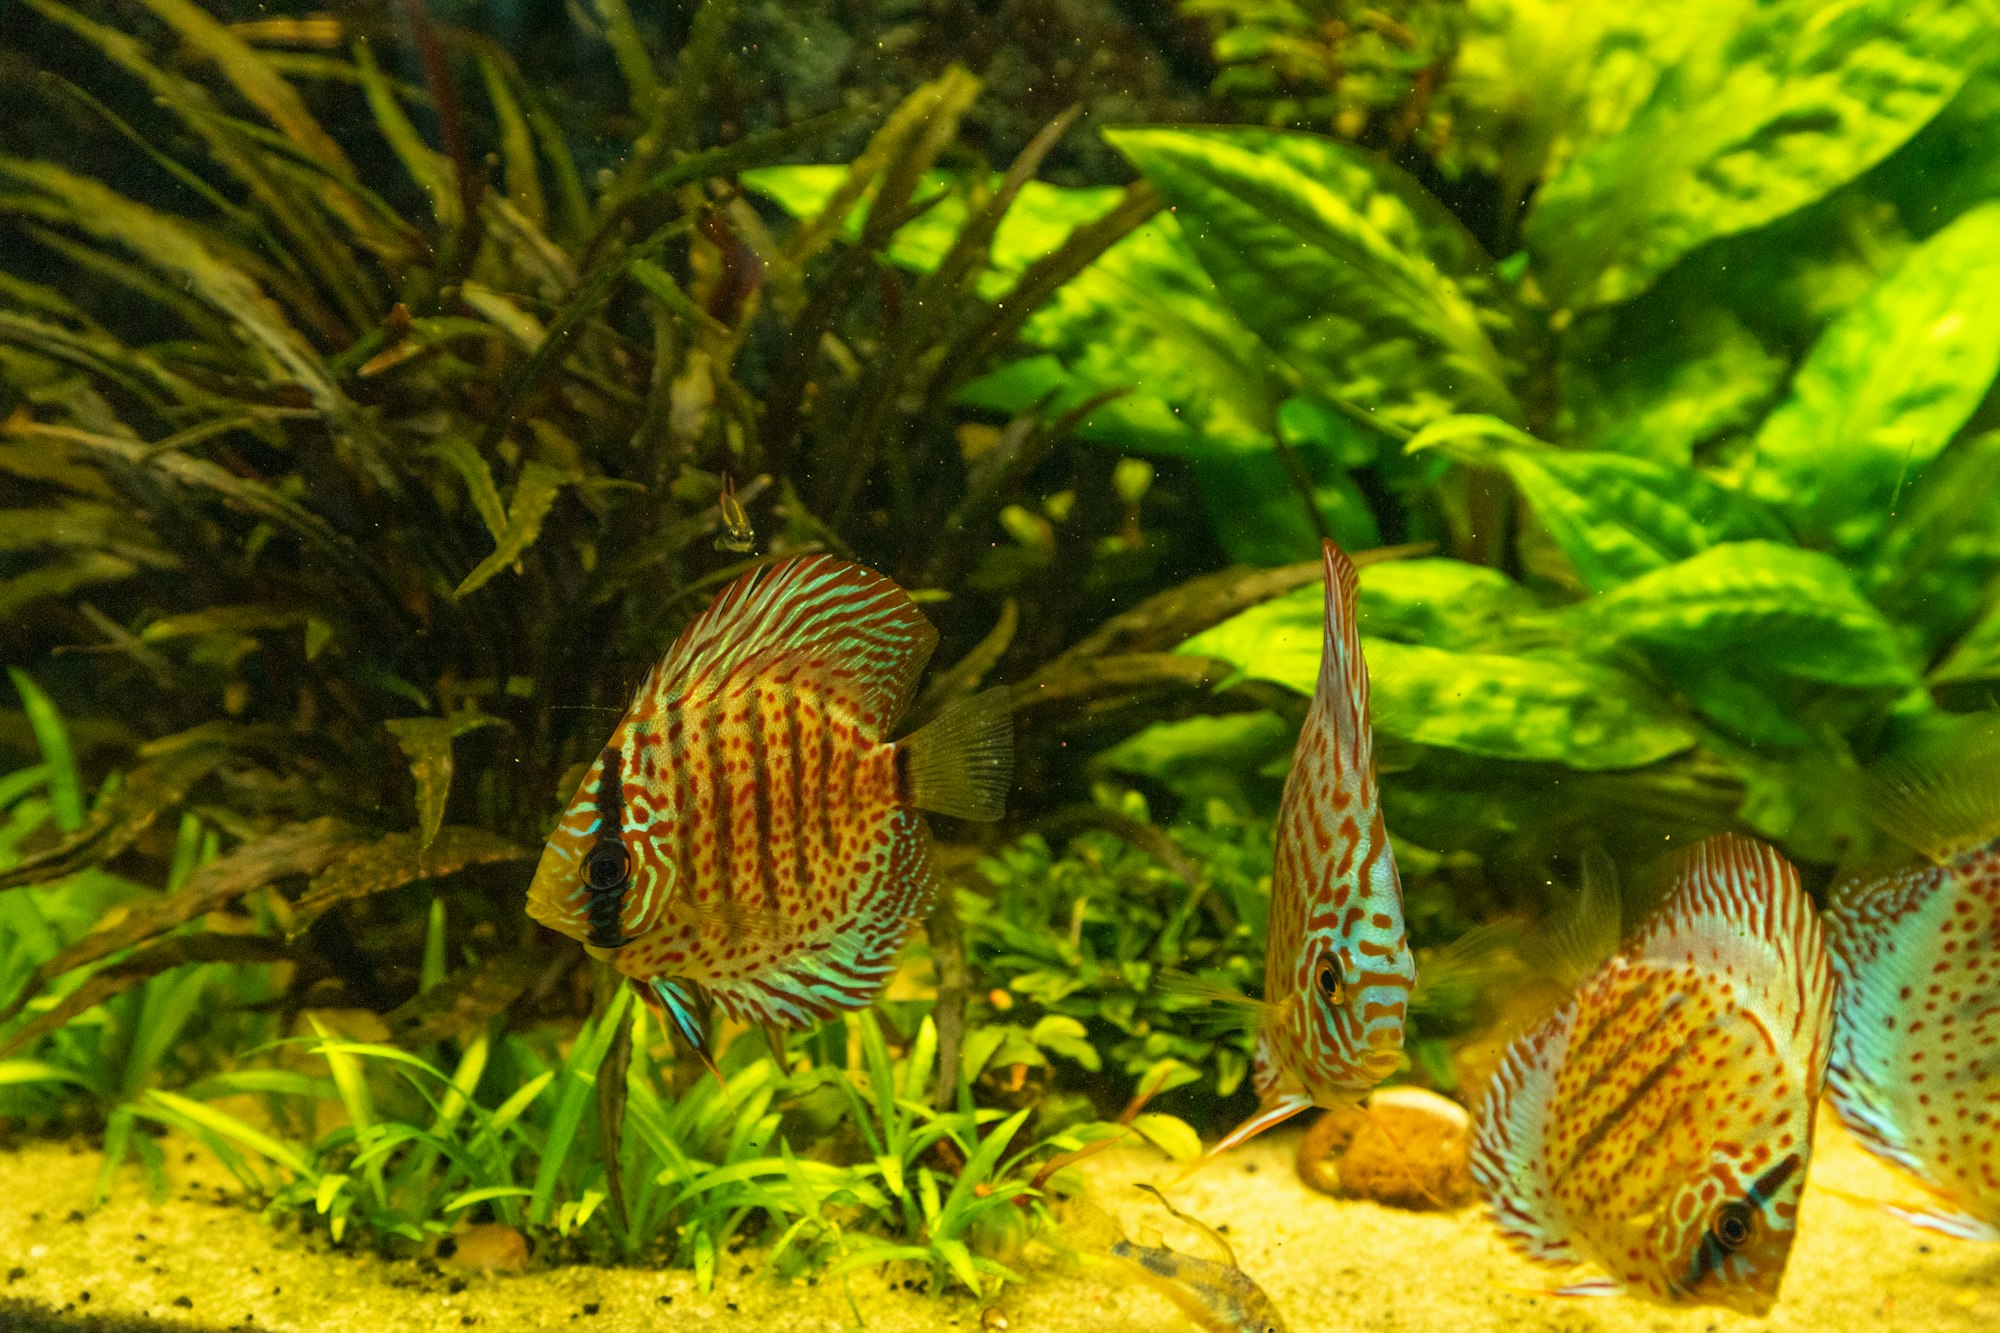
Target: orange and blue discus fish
1659,1124
1915,1072
1337,966
747,833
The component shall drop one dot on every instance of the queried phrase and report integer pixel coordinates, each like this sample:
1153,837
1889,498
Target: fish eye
608,866
1731,1225
1329,982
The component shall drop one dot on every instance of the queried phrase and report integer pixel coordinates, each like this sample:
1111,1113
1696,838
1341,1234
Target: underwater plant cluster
764,628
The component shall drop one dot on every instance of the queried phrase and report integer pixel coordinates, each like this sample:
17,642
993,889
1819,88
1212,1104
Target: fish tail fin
1737,906
962,762
1941,799
1509,1143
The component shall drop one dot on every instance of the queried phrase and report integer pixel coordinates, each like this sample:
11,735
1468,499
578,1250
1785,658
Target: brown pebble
492,1246
1409,1149
993,1317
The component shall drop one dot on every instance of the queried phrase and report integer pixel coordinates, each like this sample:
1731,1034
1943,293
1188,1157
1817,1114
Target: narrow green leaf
428,169
230,1127
517,144
52,737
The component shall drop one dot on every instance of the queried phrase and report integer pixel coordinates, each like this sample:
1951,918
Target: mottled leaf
1441,603
1548,706
1551,708
1770,607
396,860
1768,108
1885,388
1360,282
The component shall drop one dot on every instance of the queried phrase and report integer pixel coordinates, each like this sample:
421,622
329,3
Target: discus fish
1219,1297
737,535
1659,1124
1915,1070
747,834
1337,965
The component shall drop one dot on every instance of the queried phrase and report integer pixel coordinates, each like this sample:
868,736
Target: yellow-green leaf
534,493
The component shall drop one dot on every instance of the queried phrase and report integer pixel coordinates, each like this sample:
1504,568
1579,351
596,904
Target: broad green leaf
1635,382
534,495
426,743
1977,656
1765,607
1940,552
1885,388
1764,112
1277,641
1200,758
1617,517
1170,1134
1364,286
1441,603
1550,708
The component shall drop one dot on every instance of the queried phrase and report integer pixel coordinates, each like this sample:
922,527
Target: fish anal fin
1945,1220
962,762
848,628
1510,1150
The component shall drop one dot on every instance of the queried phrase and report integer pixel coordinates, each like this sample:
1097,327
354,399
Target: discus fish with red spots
1337,966
1915,1073
1659,1125
748,834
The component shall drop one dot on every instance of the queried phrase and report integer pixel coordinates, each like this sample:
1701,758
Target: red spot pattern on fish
1659,1124
1915,1072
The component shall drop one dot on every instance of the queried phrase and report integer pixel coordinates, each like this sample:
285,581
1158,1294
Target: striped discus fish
747,834
1915,1073
1660,1123
1337,965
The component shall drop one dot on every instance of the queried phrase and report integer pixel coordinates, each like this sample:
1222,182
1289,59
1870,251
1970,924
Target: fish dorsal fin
1342,692
846,627
1737,908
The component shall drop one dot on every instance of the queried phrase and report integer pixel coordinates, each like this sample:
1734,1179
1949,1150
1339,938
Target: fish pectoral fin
962,762
1949,1221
